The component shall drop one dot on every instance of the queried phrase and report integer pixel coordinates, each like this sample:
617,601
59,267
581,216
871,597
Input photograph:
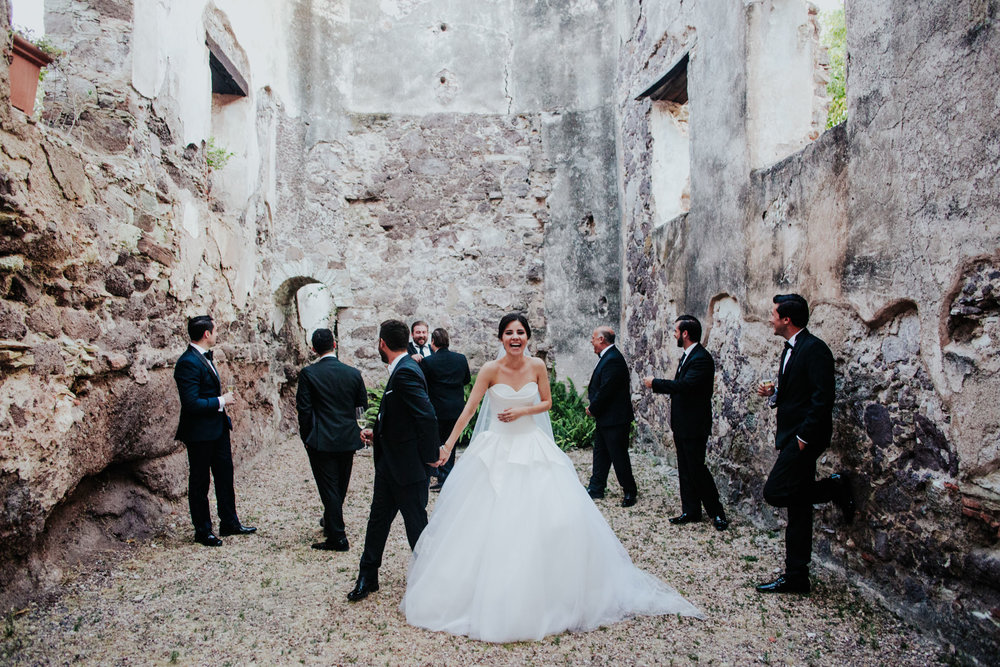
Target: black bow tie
209,355
788,346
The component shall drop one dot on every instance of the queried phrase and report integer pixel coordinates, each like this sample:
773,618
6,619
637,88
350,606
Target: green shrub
571,425
217,157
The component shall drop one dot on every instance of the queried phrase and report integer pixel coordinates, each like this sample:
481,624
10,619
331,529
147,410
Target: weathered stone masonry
889,225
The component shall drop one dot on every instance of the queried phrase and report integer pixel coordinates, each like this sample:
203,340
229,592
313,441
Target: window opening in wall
226,78
231,144
670,168
787,75
833,30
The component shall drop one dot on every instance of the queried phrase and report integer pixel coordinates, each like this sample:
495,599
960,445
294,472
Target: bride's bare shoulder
489,369
537,365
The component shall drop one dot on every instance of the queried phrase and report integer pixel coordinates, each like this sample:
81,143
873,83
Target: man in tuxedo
327,396
204,429
447,374
804,401
611,407
691,422
419,348
404,440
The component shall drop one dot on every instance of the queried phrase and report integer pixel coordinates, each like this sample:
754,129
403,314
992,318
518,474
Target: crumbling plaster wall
111,238
888,225
460,163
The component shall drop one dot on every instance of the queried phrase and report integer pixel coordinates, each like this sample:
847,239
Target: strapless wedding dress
516,549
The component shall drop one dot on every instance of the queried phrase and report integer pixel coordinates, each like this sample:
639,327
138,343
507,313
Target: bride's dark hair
510,317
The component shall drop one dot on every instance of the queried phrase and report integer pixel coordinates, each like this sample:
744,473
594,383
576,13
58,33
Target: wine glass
361,418
767,382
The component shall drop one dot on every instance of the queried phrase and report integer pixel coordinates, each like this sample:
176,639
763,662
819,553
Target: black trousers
332,471
388,498
697,486
792,484
213,457
611,448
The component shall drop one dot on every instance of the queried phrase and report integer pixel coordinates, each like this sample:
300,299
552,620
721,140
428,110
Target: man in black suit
405,439
691,422
804,400
326,399
419,348
611,407
204,429
447,374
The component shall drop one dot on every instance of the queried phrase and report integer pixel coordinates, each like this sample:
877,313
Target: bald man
611,407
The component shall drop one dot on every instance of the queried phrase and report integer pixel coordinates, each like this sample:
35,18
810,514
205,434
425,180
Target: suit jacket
326,397
412,349
447,373
805,395
406,434
609,392
691,395
199,389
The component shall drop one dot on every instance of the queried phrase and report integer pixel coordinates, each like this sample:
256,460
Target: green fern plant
217,157
571,426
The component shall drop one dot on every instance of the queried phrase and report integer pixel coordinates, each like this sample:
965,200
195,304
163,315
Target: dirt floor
270,599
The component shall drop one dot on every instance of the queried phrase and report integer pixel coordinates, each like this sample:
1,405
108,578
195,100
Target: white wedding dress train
516,549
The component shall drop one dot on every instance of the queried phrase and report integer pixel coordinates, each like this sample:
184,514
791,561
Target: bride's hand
508,415
443,458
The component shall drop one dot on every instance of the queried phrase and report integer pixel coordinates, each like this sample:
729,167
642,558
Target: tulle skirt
517,550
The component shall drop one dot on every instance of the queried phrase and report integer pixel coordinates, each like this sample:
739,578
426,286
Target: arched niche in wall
302,305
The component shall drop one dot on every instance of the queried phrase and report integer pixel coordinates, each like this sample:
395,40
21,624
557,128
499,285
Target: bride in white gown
515,548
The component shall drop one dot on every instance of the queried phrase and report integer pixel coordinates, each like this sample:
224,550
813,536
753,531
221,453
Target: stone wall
406,159
459,163
888,225
439,217
109,242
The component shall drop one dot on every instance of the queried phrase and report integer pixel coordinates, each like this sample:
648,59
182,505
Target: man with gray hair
611,407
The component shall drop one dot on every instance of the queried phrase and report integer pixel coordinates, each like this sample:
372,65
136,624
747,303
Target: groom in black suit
611,407
691,421
447,374
204,429
405,438
328,394
804,400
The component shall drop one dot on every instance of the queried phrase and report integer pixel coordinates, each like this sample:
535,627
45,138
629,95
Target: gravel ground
270,599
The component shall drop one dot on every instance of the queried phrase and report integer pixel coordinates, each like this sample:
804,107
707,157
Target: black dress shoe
843,497
629,499
208,539
238,529
332,545
361,590
785,585
595,494
720,522
685,518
